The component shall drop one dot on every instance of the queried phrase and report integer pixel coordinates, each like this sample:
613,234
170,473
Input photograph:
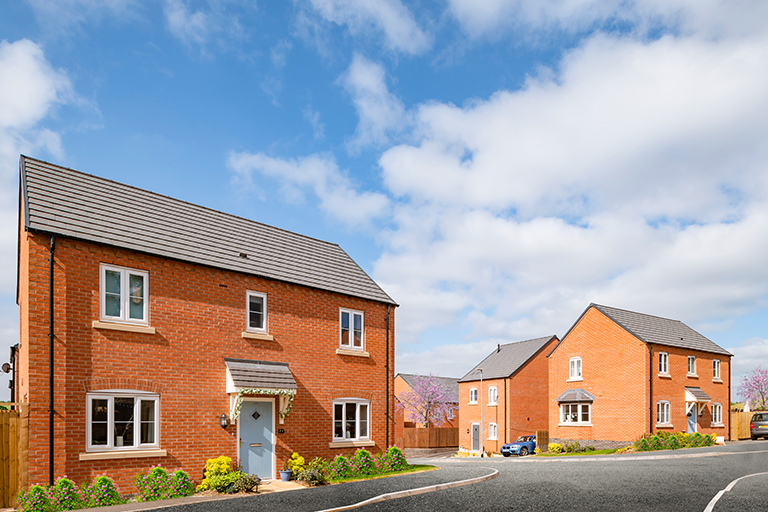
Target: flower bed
673,441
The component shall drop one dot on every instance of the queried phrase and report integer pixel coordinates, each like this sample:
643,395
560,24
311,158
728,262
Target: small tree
754,388
428,402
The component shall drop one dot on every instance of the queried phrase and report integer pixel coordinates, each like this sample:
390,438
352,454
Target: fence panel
443,437
14,438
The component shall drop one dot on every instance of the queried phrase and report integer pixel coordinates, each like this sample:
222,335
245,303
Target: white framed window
575,414
124,294
122,420
574,369
492,395
473,395
716,369
492,431
717,414
662,413
691,365
449,414
256,312
351,333
663,363
351,419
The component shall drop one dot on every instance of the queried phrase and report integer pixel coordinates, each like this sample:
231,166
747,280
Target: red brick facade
199,314
620,370
521,405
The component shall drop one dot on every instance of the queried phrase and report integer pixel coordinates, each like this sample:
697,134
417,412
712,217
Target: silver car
758,427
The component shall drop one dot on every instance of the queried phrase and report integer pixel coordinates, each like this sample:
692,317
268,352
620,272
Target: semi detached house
181,333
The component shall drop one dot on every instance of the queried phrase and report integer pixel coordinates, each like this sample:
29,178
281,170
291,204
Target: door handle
256,444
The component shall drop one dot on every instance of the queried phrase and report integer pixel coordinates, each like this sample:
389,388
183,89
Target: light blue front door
257,438
692,420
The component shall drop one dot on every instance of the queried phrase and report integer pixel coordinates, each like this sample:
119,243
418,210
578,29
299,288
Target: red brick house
404,382
181,333
618,375
513,393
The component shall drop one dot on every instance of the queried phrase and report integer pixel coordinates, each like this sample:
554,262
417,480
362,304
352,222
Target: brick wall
199,314
470,413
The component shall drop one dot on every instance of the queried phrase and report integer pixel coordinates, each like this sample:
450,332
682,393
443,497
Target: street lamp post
482,425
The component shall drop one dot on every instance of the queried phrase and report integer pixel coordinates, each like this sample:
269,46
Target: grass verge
412,468
572,454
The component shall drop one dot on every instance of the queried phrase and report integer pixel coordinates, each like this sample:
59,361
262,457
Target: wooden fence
443,437
14,452
740,424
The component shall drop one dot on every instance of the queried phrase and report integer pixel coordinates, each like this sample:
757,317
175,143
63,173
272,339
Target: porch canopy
694,396
251,377
576,395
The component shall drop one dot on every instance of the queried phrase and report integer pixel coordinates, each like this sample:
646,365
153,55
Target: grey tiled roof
698,393
74,204
260,374
507,359
576,395
450,384
660,331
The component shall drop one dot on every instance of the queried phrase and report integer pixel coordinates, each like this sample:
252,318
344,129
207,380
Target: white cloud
380,112
748,355
317,173
279,53
60,17
442,360
313,117
202,27
390,17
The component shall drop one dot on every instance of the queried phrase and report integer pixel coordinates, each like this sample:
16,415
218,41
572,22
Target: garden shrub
158,484
102,492
312,476
295,463
339,468
221,483
555,448
589,448
219,466
181,484
245,483
363,463
673,441
396,460
34,500
65,495
571,447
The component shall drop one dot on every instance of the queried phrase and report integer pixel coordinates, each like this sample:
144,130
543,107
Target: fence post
542,440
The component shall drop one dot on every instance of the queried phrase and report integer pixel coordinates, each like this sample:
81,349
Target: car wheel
505,454
523,451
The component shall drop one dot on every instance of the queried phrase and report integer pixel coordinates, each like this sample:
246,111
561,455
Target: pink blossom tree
754,388
428,402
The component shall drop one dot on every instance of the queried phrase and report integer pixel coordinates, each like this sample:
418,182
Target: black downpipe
650,387
387,385
50,360
14,351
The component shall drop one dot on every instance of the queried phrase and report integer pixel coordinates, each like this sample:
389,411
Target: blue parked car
522,446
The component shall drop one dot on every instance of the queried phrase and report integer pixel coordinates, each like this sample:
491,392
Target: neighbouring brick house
513,395
182,333
618,375
404,382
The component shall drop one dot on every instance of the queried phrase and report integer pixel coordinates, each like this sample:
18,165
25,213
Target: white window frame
345,402
351,344
472,395
575,369
124,295
449,414
717,415
493,431
664,363
692,359
580,407
663,413
263,296
110,395
493,395
716,369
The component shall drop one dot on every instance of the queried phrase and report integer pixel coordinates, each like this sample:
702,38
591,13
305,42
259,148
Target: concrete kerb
413,492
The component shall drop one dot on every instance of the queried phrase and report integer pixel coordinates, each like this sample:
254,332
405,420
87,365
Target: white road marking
728,488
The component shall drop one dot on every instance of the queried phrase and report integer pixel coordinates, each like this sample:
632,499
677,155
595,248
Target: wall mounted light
223,421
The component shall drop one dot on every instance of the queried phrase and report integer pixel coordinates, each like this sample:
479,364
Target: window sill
350,444
258,336
111,326
664,425
719,381
717,425
492,439
579,379
692,376
574,424
492,404
472,403
665,376
132,454
349,352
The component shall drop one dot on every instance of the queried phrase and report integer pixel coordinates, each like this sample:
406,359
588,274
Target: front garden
222,475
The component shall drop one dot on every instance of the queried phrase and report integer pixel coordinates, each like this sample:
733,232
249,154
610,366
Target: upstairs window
716,369
492,395
691,365
351,329
663,363
351,418
256,304
121,420
123,294
473,395
574,372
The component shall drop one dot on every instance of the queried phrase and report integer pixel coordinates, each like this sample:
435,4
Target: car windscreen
760,417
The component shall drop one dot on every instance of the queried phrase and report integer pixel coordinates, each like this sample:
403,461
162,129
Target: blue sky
495,166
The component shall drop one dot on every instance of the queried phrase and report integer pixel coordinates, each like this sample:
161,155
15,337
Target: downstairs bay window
122,420
575,414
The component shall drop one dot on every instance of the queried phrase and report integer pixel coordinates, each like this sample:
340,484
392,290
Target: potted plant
286,471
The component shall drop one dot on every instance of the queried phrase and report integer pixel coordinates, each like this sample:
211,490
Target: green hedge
673,441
